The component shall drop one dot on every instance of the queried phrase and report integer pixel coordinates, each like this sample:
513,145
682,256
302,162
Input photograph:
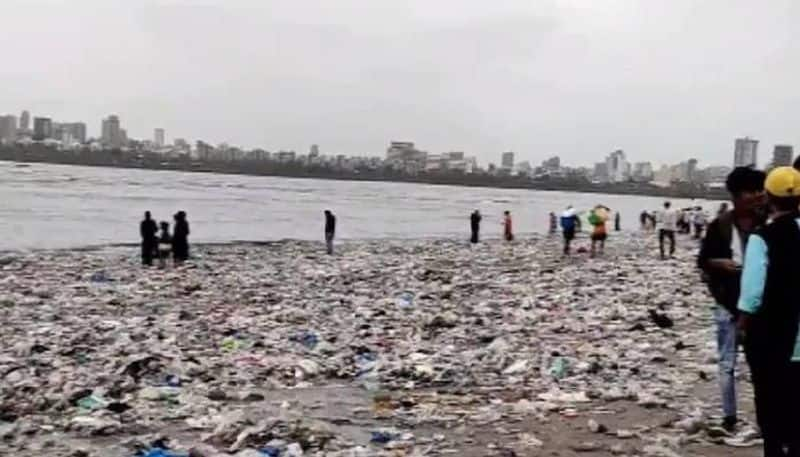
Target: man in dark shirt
721,258
330,230
148,230
475,226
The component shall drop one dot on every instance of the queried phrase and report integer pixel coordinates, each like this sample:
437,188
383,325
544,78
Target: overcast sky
663,80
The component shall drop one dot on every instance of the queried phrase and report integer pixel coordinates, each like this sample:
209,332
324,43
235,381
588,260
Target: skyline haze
663,81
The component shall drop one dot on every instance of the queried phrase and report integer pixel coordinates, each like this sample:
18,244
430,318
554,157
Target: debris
275,350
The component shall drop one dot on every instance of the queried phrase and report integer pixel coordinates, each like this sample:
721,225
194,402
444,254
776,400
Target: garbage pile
389,348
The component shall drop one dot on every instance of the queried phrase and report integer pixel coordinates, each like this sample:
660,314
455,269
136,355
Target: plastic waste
383,436
560,368
307,339
160,452
100,276
270,451
405,300
92,402
255,347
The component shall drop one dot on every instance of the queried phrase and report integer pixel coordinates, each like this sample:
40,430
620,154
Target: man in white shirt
699,221
669,224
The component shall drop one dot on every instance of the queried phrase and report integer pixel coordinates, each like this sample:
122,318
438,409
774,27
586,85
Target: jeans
726,345
670,235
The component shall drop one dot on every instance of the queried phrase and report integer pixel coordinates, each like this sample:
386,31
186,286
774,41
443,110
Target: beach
414,347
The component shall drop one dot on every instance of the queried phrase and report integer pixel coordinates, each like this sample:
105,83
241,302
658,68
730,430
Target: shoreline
518,238
278,170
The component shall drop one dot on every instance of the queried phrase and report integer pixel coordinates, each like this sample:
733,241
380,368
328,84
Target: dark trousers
329,242
148,251
775,386
668,234
793,424
475,236
569,235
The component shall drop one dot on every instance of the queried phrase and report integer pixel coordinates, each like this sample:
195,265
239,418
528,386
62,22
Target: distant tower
25,121
158,138
314,152
507,161
111,132
782,155
745,153
8,129
42,128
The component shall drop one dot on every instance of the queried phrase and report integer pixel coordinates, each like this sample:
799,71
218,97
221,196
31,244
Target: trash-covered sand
388,348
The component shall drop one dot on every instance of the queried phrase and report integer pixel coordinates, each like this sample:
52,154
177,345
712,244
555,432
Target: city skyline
111,134
546,78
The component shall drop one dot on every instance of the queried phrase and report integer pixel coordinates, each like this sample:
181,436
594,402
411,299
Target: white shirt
700,218
669,219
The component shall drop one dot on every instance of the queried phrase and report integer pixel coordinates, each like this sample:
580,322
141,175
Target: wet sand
425,347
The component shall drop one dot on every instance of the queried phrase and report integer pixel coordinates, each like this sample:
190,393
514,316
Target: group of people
158,243
475,226
687,220
571,224
749,261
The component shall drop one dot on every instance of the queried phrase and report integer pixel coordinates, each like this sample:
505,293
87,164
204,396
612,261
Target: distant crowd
158,243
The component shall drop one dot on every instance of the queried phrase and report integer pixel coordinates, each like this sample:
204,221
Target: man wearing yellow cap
770,314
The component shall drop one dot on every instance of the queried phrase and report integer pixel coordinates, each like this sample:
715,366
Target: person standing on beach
330,230
475,226
553,223
149,232
164,245
669,219
508,232
569,222
617,222
769,316
598,218
699,222
180,238
720,259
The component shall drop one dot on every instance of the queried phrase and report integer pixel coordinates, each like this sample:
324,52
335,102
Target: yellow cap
783,182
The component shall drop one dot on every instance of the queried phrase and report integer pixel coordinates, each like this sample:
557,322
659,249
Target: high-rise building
745,153
78,131
600,172
507,161
111,132
69,133
619,169
204,150
552,164
158,138
404,150
313,151
524,169
642,172
42,128
691,170
8,129
403,155
782,155
25,121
